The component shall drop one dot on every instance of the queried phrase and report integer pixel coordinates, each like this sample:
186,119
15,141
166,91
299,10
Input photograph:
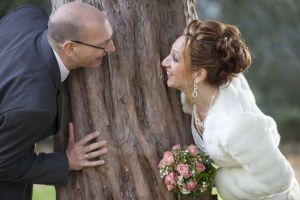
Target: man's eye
174,58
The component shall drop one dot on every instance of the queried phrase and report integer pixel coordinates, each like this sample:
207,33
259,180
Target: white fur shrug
243,142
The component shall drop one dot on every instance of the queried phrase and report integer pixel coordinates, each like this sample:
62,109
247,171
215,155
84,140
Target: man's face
96,43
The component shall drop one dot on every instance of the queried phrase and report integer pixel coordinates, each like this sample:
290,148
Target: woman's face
174,64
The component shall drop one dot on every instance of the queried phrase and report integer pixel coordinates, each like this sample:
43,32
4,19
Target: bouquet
187,171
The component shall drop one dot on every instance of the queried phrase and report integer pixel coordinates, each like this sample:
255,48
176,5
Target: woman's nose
166,62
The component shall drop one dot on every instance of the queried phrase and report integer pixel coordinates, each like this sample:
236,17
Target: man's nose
110,48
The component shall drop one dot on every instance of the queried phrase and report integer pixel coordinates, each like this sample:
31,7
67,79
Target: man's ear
68,47
199,75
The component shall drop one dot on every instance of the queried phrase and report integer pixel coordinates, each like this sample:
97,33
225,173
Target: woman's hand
80,152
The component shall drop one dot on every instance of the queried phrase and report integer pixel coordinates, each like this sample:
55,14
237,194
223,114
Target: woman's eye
174,58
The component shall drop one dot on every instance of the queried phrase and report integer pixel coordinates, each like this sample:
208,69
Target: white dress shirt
64,72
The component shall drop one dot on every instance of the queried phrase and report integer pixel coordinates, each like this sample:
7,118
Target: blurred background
271,29
6,5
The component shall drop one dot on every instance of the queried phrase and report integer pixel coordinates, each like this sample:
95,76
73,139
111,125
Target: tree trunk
128,101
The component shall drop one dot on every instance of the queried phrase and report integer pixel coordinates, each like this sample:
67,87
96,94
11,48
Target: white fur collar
233,103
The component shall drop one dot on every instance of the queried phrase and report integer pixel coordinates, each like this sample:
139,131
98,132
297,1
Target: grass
43,192
214,191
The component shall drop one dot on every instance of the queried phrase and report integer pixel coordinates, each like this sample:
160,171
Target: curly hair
216,47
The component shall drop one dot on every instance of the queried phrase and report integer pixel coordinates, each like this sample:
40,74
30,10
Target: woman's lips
169,74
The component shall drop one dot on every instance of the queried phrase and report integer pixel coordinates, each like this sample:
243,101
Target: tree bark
128,101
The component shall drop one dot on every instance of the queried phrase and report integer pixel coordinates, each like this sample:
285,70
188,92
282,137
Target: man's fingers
93,163
95,154
71,133
89,137
95,145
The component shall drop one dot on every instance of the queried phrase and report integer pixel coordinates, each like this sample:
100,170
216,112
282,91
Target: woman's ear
199,75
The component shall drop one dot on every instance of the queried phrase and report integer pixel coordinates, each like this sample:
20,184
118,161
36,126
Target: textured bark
128,101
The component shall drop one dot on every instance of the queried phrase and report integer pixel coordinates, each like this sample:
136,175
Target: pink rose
176,147
191,185
192,149
183,170
167,160
161,164
170,179
200,167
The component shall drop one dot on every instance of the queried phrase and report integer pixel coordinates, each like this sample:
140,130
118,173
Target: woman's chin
169,83
172,85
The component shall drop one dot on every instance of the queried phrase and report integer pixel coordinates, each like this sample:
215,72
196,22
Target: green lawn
43,192
214,191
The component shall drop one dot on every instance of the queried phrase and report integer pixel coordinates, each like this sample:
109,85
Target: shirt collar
64,72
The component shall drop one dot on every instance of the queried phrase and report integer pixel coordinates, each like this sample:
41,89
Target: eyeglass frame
90,45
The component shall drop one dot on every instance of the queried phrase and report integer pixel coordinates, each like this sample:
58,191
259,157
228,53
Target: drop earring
195,90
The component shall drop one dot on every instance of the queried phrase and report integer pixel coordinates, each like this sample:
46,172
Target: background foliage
6,5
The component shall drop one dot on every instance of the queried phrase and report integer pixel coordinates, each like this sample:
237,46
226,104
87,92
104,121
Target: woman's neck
206,97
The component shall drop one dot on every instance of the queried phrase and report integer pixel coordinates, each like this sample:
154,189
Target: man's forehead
108,27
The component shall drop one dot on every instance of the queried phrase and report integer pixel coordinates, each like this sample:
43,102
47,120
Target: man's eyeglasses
97,47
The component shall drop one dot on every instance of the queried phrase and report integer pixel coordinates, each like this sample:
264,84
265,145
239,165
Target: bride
206,64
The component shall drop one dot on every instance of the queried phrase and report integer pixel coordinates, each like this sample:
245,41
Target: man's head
81,34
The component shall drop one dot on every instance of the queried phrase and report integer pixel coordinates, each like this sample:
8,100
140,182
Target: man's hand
80,152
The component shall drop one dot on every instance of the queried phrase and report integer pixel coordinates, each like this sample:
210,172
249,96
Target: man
34,62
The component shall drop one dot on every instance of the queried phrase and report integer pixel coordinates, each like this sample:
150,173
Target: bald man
35,60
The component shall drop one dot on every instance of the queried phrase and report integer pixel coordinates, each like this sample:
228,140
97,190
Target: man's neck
64,71
66,62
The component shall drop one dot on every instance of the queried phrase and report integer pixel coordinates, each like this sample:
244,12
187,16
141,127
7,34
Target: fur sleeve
264,170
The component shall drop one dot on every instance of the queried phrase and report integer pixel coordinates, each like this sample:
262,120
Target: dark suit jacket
29,85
